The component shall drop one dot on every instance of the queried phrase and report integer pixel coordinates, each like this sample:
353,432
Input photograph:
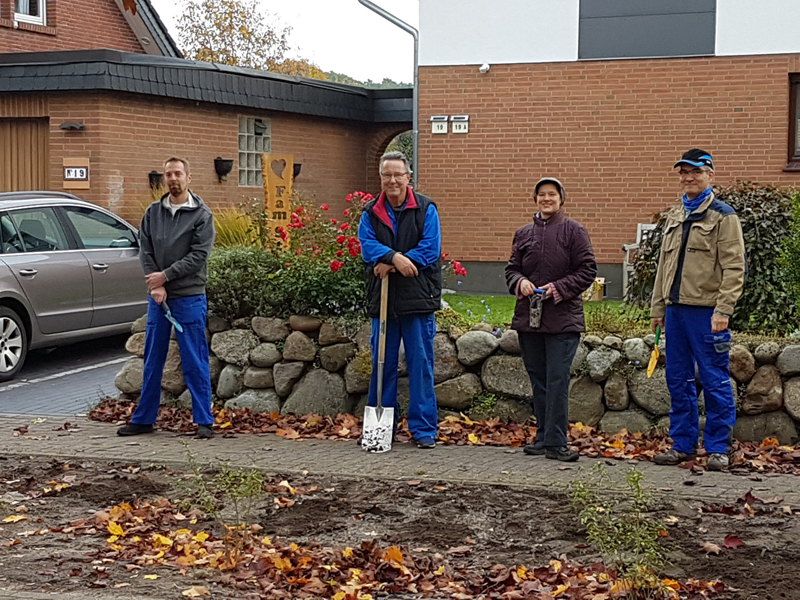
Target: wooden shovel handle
383,315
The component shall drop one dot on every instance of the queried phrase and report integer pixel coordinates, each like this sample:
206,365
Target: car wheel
13,343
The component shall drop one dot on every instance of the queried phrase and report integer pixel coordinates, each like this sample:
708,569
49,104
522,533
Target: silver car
69,271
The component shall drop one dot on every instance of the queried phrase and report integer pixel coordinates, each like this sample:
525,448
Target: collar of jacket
382,211
193,203
555,218
696,215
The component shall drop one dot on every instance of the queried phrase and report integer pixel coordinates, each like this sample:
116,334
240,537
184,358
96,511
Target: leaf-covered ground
765,457
111,528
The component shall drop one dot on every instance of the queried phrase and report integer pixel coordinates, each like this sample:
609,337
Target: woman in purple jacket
551,265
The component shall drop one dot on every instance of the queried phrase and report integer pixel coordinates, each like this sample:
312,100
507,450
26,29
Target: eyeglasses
390,176
693,172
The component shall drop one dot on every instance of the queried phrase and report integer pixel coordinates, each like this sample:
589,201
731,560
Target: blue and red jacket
414,231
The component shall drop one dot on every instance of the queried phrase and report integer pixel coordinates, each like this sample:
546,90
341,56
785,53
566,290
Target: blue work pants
417,333
190,313
689,343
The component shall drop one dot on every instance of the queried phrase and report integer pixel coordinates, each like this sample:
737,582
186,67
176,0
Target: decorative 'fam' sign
278,170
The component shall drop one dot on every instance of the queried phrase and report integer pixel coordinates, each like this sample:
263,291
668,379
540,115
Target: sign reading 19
76,173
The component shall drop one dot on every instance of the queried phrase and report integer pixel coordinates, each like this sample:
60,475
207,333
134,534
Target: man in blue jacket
401,239
176,237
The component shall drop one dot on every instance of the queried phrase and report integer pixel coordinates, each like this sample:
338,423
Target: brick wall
127,136
610,130
71,25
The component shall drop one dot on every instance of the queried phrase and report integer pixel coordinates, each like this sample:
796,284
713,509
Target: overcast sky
338,35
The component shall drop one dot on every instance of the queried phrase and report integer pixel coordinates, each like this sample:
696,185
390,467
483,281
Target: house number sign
76,173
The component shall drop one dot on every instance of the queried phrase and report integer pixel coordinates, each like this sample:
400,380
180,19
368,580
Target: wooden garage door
24,154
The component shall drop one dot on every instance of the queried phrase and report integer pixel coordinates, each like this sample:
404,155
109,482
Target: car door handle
100,267
28,272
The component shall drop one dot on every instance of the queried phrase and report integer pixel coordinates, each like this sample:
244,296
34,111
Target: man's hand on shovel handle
382,270
404,265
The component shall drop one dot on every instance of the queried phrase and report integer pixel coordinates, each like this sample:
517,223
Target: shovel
378,427
651,367
170,318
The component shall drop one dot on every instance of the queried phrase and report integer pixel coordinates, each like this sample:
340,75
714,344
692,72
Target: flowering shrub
314,267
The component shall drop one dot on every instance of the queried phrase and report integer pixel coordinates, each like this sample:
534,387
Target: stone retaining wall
305,365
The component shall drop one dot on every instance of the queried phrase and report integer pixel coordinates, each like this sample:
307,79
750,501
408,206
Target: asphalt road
67,381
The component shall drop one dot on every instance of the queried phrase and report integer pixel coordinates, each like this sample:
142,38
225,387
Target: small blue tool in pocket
170,318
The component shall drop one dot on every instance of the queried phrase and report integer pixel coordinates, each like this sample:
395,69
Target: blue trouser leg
391,359
190,312
690,342
547,359
684,424
156,345
423,413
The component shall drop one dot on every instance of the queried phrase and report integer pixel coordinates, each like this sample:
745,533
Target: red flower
336,265
288,265
352,240
284,236
344,227
346,211
279,229
294,215
324,207
298,251
316,252
334,221
354,250
340,239
340,253
348,199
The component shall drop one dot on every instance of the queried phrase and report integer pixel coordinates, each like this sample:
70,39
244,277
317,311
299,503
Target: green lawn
608,316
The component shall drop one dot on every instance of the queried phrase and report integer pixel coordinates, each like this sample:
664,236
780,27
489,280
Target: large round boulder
475,346
789,360
333,358
230,381
756,428
767,353
319,392
270,329
286,374
743,364
506,376
601,362
331,333
637,352
457,393
130,376
764,392
265,355
172,378
791,397
260,401
445,359
234,346
509,342
635,421
299,346
258,378
651,393
585,401
615,392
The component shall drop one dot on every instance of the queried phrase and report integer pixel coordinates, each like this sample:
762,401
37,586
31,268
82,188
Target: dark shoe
134,429
718,461
535,449
564,454
425,443
673,457
204,432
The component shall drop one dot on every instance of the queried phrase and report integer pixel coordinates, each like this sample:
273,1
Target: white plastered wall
757,27
465,32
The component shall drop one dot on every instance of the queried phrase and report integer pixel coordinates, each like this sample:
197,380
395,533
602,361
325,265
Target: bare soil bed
474,527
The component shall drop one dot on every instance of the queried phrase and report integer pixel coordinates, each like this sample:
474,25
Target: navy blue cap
696,158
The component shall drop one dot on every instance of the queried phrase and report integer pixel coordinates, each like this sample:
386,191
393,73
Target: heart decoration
278,167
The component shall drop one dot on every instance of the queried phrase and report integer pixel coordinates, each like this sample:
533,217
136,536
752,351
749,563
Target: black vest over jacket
407,295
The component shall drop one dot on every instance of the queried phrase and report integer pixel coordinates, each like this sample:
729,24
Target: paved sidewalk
460,464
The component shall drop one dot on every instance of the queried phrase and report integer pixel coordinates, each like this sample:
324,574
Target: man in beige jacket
701,273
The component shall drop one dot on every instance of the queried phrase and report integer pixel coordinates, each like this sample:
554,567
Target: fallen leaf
115,529
413,482
15,519
195,591
151,576
393,553
731,541
710,548
460,550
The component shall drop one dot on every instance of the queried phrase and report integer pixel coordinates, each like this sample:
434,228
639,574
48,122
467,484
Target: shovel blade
377,430
651,366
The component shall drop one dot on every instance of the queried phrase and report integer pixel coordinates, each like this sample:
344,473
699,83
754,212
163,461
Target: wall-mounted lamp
72,126
484,68
223,166
297,167
156,179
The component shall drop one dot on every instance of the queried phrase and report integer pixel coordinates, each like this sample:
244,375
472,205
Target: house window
794,122
254,138
31,11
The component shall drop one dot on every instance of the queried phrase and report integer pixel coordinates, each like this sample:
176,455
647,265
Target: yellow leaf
365,597
618,444
466,419
285,484
347,552
15,519
201,537
151,576
115,529
136,538
160,540
339,596
193,521
556,564
602,577
393,553
561,589
294,547
183,532
522,572
439,571
112,539
196,591
473,439
284,564
671,583
265,540
226,425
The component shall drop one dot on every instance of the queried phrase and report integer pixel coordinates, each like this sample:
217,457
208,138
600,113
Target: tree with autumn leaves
237,33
